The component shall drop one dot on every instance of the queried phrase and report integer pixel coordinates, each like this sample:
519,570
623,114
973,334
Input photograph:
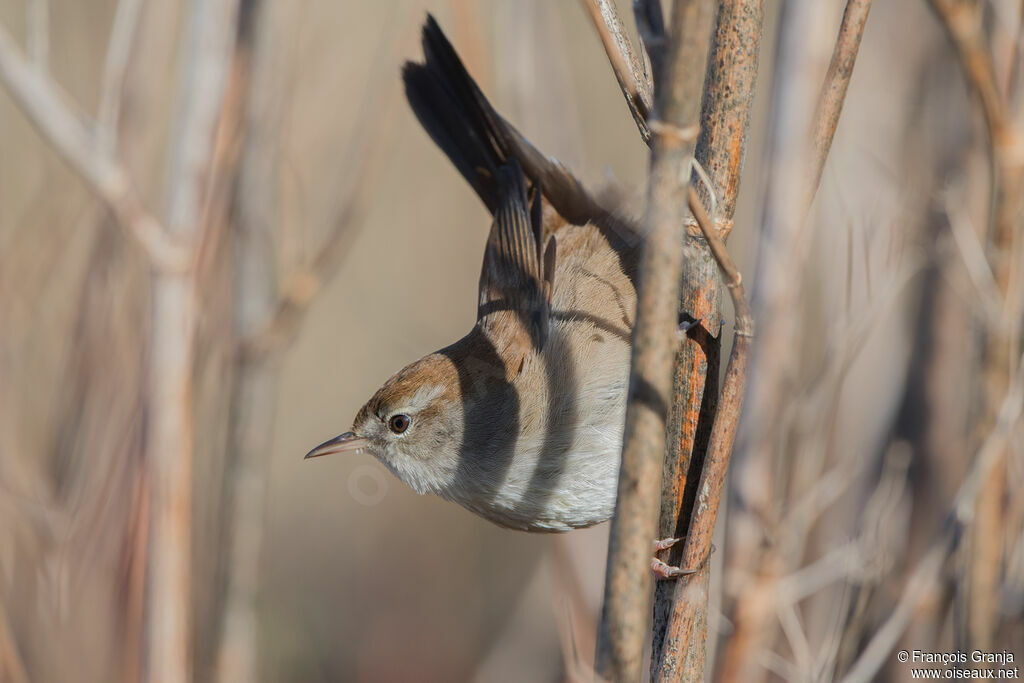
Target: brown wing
514,289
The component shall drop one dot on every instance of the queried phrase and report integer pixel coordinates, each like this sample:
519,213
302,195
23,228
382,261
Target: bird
521,420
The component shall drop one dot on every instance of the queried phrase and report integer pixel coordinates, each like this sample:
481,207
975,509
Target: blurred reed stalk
267,316
207,48
804,122
223,172
979,594
251,209
172,246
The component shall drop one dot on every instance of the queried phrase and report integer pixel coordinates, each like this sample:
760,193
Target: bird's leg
666,571
663,570
686,323
666,543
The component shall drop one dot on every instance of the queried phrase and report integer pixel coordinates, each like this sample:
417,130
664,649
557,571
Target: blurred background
336,244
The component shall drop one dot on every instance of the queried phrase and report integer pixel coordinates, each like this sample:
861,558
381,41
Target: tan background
400,587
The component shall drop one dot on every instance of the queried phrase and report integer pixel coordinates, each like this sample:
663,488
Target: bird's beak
349,442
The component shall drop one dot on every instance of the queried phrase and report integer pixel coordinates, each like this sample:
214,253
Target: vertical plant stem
804,52
964,24
628,579
206,49
253,403
629,72
127,19
837,80
725,123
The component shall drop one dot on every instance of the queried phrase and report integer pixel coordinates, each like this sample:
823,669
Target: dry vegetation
220,229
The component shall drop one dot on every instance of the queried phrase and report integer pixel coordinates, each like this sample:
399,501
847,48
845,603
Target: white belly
564,474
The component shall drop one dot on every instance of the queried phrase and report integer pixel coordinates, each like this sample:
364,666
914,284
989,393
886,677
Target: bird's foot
663,570
667,571
666,543
687,325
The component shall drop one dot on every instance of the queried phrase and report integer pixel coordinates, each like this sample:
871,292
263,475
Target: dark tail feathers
476,138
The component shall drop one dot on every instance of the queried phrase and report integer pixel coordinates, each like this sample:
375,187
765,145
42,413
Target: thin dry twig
301,286
39,34
803,50
67,130
251,111
650,24
833,92
11,664
733,278
628,70
964,23
267,319
972,252
925,577
627,588
702,523
119,49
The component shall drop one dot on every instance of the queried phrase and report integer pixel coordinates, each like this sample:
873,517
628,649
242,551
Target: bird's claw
687,325
666,543
665,571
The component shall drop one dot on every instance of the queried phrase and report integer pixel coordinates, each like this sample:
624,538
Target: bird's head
413,425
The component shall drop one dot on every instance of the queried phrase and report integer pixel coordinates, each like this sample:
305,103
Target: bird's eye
398,423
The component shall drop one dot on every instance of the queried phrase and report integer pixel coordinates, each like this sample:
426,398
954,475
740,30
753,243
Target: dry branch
254,388
305,282
65,128
650,23
804,51
630,73
693,599
964,24
119,50
924,580
302,286
207,46
628,580
266,319
725,122
833,93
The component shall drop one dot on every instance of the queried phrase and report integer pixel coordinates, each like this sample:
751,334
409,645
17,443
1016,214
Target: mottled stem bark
680,613
629,71
650,24
624,617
